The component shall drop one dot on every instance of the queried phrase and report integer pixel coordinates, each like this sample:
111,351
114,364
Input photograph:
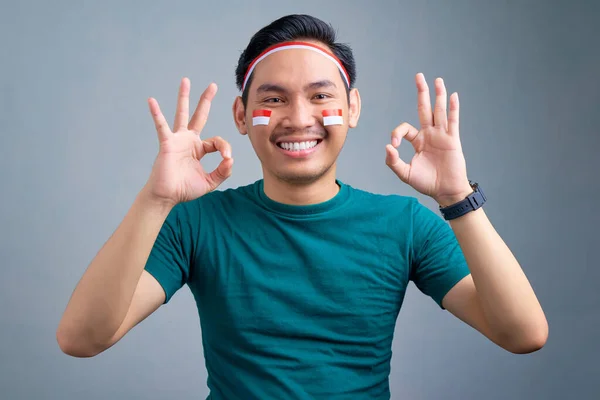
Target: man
299,277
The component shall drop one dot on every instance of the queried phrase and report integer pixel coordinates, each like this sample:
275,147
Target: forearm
510,306
102,297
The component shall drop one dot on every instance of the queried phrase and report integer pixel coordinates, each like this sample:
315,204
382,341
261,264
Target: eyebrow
320,84
271,87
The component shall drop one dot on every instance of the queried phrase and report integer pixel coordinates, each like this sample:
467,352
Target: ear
239,115
353,108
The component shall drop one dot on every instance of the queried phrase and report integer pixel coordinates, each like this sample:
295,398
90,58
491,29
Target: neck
319,191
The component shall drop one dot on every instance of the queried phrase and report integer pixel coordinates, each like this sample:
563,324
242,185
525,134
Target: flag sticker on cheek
332,117
261,117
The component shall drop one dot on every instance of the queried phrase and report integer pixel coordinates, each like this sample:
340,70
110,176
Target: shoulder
393,203
240,193
218,201
404,211
218,205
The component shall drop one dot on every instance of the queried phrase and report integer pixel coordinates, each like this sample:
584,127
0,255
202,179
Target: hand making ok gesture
177,175
438,168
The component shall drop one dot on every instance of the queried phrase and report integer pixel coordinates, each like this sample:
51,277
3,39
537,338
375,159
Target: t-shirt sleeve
438,261
169,259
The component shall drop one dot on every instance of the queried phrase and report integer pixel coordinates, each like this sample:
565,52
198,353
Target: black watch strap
473,201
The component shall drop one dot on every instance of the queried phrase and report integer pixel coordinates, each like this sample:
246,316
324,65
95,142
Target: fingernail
395,142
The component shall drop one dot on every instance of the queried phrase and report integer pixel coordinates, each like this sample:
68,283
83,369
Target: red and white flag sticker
332,117
261,117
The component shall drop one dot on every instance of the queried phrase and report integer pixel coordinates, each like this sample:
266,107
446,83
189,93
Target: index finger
404,131
217,143
201,113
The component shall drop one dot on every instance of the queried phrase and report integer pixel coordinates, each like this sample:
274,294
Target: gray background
78,143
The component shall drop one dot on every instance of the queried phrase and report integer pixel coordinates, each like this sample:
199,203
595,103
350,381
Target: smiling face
297,85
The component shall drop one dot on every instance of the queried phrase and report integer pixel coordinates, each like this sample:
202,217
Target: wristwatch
473,201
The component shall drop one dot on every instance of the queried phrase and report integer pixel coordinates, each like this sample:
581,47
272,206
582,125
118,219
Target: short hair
293,27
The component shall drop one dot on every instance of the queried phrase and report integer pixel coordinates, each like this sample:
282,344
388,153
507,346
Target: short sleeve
438,261
169,259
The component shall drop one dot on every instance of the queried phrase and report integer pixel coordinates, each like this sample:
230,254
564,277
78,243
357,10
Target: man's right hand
177,175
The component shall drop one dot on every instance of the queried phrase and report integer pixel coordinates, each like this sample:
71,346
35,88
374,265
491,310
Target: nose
299,115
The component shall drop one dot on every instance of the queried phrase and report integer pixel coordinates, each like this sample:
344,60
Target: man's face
297,85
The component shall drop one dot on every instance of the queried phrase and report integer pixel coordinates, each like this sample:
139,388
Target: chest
290,278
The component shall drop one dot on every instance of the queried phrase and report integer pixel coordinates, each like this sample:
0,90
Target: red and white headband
295,45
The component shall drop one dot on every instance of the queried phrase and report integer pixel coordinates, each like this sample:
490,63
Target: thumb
220,174
393,160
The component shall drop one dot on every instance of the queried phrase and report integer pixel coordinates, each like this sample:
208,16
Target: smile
297,146
299,149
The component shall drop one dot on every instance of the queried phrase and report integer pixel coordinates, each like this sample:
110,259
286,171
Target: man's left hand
438,168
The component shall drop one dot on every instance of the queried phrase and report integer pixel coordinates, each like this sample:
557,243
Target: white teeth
297,146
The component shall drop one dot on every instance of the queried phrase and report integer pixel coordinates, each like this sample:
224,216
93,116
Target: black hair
290,28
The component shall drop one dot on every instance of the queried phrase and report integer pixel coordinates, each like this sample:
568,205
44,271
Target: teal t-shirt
300,302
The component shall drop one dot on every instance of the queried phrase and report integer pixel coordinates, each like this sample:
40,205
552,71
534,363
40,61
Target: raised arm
115,292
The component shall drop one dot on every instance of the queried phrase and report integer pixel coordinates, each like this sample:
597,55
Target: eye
321,96
273,100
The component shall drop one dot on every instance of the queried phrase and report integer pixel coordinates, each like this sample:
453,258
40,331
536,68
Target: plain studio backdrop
78,143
